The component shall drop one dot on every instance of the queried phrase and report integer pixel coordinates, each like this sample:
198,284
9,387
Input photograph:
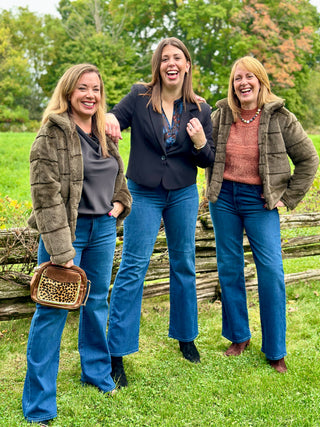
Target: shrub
13,213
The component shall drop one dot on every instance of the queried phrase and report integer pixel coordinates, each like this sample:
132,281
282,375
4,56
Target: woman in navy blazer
171,135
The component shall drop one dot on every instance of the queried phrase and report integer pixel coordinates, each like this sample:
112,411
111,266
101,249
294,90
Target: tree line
119,37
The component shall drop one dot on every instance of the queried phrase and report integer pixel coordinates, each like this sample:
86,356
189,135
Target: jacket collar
63,121
269,108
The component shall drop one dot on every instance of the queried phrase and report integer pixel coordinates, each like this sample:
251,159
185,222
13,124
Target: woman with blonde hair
79,195
255,135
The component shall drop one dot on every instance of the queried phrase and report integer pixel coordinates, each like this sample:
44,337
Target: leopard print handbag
58,286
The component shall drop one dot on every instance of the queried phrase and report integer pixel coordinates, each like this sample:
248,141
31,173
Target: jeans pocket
258,190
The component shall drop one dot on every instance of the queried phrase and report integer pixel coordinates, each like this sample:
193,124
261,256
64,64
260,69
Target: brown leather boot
236,349
279,365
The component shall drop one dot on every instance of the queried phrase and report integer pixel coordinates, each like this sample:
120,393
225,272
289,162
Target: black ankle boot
118,375
189,351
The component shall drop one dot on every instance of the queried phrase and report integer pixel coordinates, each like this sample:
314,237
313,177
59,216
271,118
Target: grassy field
14,163
14,174
164,389
15,200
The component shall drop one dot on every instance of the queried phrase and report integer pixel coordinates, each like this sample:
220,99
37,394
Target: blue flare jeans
179,210
240,207
94,245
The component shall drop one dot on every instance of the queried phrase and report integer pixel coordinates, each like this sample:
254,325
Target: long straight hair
154,86
265,95
60,100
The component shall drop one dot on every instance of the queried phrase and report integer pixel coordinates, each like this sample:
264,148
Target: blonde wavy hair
60,100
265,94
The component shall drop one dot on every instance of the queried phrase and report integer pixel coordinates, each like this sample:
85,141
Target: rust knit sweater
242,153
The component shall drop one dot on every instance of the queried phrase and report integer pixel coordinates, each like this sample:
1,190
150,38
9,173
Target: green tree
203,25
88,33
119,36
29,41
311,96
281,33
283,36
15,82
32,36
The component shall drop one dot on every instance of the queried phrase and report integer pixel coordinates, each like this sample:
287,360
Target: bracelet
201,146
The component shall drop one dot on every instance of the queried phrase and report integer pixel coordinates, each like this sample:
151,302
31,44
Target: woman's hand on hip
196,133
279,204
113,127
118,208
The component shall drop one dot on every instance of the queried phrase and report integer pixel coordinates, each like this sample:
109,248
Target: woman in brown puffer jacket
79,195
255,135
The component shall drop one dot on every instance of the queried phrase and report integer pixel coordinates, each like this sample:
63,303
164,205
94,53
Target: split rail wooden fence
18,252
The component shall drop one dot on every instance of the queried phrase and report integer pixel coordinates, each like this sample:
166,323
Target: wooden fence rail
18,252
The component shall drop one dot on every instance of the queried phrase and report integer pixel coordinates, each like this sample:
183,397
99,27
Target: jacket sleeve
304,156
124,110
123,196
48,206
215,119
205,157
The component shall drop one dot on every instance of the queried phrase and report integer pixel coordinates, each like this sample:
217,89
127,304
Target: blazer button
163,157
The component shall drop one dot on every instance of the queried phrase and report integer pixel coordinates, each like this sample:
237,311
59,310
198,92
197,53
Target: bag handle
88,292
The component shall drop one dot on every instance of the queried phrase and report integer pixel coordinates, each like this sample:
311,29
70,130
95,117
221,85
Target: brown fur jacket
56,178
280,137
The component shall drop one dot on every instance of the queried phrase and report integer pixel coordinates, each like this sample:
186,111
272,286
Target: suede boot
279,365
236,349
118,374
189,351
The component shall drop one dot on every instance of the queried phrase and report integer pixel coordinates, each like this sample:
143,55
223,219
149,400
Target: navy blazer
150,163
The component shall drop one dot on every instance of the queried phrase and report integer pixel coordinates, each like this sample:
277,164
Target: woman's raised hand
196,133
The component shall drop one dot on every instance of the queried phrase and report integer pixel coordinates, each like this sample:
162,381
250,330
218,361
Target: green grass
296,265
166,390
15,198
14,163
14,169
316,141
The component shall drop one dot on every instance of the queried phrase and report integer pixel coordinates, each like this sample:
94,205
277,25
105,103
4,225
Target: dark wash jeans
240,207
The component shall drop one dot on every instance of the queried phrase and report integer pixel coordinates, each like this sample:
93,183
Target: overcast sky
49,6
39,6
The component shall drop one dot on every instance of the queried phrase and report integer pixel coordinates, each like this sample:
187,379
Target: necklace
252,118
